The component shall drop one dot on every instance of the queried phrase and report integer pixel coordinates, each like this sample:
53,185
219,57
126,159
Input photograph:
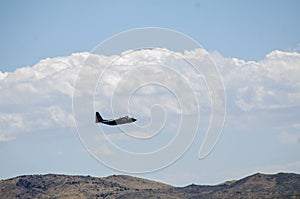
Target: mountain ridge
280,185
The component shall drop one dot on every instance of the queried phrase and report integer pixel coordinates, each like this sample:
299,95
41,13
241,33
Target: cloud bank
39,98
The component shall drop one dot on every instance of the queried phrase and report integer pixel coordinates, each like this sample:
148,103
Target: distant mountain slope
282,185
64,186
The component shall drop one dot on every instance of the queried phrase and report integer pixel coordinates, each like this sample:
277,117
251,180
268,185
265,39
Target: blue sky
261,133
33,30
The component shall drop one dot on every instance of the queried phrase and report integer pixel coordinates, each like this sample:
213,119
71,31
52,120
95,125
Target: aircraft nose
133,119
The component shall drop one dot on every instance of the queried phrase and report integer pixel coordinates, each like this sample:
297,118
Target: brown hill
282,185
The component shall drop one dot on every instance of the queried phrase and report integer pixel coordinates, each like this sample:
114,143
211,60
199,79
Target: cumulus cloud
267,84
39,97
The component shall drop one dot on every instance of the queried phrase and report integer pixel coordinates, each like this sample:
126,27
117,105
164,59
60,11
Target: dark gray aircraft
122,120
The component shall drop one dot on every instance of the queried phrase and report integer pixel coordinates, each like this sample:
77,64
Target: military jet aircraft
122,120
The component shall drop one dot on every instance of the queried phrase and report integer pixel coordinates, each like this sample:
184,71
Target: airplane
122,120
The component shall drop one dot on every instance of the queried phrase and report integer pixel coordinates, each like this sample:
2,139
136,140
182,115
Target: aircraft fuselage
122,120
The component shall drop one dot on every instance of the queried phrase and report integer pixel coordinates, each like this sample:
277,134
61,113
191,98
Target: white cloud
60,153
2,75
267,84
289,138
296,125
6,138
40,97
262,93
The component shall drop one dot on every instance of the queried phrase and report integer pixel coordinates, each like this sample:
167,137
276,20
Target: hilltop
281,185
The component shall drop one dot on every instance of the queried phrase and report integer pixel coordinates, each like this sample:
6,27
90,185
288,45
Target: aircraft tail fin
98,117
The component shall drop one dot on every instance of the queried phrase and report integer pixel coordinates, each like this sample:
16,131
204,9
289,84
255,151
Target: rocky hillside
282,185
